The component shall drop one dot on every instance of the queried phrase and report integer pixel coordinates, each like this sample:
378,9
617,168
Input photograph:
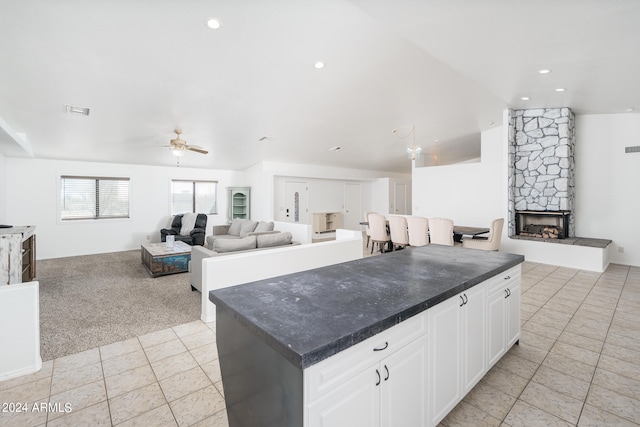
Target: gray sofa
239,229
234,245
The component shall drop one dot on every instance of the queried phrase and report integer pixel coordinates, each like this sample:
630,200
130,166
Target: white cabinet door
403,391
355,403
513,310
445,350
497,316
503,306
474,337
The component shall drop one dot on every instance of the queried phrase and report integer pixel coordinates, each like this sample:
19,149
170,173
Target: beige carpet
93,300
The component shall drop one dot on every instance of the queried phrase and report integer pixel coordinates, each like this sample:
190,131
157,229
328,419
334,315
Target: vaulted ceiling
449,67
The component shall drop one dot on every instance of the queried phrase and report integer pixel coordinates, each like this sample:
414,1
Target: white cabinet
326,221
382,382
503,313
457,343
239,203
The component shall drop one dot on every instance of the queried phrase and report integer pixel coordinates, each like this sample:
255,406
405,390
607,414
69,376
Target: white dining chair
398,231
379,235
367,228
418,228
441,231
491,243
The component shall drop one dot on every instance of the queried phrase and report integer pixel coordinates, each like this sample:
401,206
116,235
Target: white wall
19,329
471,194
261,184
3,189
34,201
607,205
326,191
607,201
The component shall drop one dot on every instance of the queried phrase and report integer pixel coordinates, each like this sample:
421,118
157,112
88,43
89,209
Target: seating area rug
93,300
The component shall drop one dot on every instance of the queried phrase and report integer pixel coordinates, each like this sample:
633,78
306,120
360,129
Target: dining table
458,230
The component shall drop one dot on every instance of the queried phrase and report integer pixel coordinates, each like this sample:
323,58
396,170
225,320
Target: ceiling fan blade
196,149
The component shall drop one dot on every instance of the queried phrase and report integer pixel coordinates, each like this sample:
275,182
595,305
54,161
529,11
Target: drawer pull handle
378,372
461,301
386,344
507,278
386,369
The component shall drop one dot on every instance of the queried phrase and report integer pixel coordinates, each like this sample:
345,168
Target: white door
400,199
474,336
403,391
355,403
296,195
352,206
445,350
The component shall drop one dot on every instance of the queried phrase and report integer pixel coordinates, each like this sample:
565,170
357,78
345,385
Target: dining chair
379,235
441,231
367,228
418,228
398,231
491,243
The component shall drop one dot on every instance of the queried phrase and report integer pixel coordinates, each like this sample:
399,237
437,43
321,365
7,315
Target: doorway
400,199
352,206
296,202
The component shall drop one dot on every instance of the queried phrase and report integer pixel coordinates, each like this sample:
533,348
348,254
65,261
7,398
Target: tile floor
578,363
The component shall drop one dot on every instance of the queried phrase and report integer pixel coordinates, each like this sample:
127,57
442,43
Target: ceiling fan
179,146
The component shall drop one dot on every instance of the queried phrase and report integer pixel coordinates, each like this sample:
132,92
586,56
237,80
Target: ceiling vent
76,110
635,149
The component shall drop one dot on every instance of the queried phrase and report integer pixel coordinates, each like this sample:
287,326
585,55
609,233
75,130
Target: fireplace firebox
543,224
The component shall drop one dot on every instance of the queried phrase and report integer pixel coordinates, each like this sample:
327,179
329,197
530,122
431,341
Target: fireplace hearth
543,224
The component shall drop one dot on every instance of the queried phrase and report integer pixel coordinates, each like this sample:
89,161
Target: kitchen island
316,348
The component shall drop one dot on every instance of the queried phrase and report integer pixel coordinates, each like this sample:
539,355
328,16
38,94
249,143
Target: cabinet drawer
503,279
330,373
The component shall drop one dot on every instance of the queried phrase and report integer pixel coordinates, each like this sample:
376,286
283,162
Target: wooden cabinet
326,221
239,203
17,255
457,342
380,382
503,306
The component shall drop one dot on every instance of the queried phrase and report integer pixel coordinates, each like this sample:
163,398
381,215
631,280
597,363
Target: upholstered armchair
189,228
491,243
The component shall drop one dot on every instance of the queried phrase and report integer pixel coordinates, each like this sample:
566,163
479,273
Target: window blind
93,197
193,196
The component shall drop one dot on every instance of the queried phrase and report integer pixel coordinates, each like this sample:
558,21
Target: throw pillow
247,227
233,245
236,225
270,240
188,223
264,226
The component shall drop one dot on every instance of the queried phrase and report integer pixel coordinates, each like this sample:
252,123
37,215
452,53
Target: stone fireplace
541,172
543,224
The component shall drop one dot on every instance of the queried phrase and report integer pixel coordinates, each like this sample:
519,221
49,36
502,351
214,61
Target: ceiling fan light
177,151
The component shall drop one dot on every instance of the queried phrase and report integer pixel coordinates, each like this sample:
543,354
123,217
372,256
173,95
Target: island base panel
261,387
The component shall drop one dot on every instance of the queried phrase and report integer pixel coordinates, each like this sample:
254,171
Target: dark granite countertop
312,315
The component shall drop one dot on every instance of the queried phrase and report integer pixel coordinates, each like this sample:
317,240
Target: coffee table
161,259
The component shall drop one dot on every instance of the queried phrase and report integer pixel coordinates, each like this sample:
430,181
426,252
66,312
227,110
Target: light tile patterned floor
578,363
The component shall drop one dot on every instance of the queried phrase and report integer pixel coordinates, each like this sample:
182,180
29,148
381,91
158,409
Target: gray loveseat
239,229
234,245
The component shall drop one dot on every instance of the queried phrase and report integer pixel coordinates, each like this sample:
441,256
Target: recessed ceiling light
336,148
318,65
76,110
544,71
214,23
525,98
560,89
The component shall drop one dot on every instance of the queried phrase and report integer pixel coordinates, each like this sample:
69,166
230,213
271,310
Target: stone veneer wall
541,164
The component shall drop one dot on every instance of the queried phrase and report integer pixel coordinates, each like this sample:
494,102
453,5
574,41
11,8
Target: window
193,196
86,197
